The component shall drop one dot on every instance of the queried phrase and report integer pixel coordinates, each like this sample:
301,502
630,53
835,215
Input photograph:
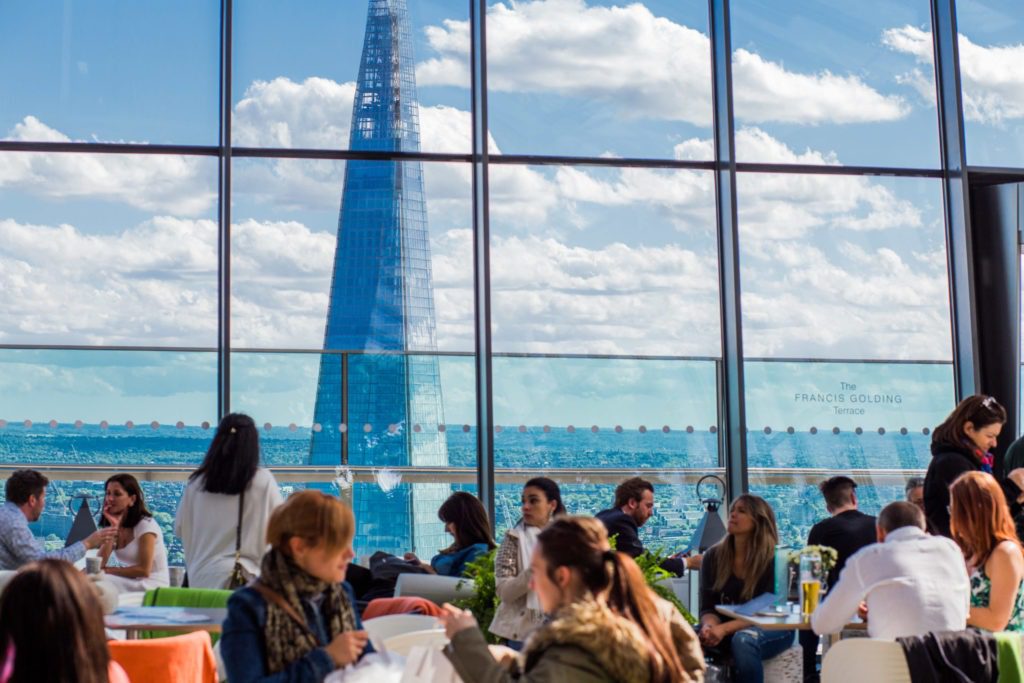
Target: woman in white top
139,546
519,612
207,519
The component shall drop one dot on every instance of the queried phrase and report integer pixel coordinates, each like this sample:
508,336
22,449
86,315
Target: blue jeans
751,646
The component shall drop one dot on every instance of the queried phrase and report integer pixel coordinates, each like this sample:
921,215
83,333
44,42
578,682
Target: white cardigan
206,524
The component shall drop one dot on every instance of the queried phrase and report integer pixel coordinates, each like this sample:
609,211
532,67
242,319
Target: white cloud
160,183
641,65
991,78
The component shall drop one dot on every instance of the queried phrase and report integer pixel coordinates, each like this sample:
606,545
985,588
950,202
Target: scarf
527,536
986,458
284,639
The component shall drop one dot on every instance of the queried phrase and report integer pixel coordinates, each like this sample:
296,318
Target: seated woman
734,570
297,623
519,611
605,623
465,519
981,525
139,544
49,599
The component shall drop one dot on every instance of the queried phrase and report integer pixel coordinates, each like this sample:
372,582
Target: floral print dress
981,590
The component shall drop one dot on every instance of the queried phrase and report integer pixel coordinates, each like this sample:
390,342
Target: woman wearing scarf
520,611
962,444
296,623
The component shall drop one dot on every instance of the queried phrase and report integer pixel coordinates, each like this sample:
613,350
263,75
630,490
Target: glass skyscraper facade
379,380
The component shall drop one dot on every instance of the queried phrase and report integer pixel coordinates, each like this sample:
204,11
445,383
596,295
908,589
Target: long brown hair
46,600
760,549
581,543
136,512
979,518
980,411
470,525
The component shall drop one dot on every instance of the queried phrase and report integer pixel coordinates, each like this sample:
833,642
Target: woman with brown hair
736,569
605,626
466,520
46,600
982,527
962,444
297,622
139,545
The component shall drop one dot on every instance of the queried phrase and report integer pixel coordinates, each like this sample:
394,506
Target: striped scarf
285,640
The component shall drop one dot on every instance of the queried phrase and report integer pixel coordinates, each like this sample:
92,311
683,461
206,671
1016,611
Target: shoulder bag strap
273,596
238,529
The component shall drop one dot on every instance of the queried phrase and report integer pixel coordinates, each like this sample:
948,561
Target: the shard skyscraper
382,307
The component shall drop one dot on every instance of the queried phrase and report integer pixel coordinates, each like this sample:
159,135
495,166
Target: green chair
184,597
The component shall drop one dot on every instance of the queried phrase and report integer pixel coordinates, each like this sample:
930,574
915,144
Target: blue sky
121,250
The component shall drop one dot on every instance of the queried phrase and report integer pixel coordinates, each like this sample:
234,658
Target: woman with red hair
981,524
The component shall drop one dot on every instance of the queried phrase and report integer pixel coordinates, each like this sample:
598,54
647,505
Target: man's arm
25,548
843,601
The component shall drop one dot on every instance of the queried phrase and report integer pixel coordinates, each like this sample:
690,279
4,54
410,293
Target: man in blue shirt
26,498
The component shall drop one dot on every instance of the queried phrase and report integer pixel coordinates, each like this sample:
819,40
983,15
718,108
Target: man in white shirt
912,583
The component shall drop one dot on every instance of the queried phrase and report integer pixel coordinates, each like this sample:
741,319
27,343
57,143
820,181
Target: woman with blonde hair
981,525
738,568
297,622
606,623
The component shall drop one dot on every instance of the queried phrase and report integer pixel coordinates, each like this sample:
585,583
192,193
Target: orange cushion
186,658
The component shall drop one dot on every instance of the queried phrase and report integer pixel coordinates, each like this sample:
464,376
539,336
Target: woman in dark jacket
297,622
962,444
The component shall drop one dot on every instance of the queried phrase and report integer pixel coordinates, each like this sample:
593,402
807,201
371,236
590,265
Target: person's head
979,518
752,525
896,516
27,490
123,496
840,493
574,561
466,520
233,457
315,531
915,491
542,500
976,422
635,497
49,599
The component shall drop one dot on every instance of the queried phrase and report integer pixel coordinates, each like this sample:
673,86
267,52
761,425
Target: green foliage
650,563
484,600
829,555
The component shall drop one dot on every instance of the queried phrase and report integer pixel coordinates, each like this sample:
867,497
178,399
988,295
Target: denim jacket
244,652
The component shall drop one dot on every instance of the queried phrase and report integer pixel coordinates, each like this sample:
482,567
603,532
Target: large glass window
846,332
833,82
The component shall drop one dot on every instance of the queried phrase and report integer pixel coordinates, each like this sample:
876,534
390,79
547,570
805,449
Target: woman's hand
411,557
113,518
712,635
346,647
455,620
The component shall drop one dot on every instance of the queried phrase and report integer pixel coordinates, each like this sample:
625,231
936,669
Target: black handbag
240,576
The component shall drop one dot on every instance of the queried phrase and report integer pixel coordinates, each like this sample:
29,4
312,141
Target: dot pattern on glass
465,428
341,428
129,424
104,424
858,431
3,424
926,431
154,425
28,424
814,430
594,429
442,428
179,424
903,431
689,429
267,426
570,429
665,429
367,428
498,429
78,424
205,425
317,427
618,429
767,430
392,428
53,424
642,429
417,428
522,429
547,429
713,429
790,430
835,430
881,431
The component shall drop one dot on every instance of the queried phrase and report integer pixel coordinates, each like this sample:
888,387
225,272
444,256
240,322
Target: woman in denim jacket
297,622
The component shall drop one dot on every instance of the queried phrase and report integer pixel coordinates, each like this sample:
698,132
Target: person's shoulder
263,478
148,525
613,517
1008,551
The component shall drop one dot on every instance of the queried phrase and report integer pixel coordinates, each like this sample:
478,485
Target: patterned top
981,589
18,546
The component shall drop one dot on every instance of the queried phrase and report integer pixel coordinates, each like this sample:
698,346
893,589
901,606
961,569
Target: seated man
26,498
634,505
912,583
915,491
